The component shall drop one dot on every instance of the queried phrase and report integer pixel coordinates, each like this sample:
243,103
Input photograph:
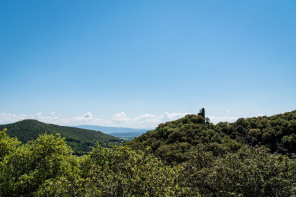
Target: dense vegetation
278,132
81,140
229,159
186,157
46,167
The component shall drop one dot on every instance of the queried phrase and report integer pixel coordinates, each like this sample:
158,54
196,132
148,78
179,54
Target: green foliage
124,172
7,145
290,141
250,157
46,167
218,160
81,140
173,141
275,132
25,169
249,172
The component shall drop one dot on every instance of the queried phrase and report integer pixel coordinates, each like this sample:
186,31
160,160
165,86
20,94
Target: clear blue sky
121,60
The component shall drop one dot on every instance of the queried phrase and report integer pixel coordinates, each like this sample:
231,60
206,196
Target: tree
249,172
7,145
26,168
122,171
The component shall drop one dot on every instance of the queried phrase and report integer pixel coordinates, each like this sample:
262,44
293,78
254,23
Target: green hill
172,140
250,157
81,140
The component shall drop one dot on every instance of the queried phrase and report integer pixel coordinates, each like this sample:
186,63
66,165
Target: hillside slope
81,140
250,157
172,140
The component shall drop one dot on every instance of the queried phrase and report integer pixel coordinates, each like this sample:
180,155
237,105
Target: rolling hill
250,157
81,140
172,140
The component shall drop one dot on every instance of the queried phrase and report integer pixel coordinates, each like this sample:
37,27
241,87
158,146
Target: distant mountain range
123,133
109,130
81,140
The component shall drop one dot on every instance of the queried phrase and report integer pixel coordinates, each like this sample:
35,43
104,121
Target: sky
139,63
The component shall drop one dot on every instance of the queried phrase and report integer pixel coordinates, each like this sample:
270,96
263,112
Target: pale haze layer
139,63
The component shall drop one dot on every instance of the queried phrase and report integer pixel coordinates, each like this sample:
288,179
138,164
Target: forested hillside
186,157
81,140
250,157
172,139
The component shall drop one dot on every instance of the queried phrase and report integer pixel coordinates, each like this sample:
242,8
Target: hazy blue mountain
109,130
123,133
126,136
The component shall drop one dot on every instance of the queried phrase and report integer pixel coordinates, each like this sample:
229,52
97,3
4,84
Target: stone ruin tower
202,112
